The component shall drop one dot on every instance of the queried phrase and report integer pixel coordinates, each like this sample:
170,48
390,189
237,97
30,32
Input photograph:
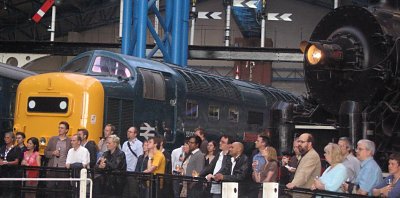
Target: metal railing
127,184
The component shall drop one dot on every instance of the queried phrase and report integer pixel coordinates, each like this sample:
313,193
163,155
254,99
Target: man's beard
302,150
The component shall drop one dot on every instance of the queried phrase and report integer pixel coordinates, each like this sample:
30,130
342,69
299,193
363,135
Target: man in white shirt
177,157
237,169
133,148
219,161
78,156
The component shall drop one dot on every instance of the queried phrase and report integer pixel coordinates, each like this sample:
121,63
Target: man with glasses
309,166
132,148
58,146
56,151
215,166
195,164
370,174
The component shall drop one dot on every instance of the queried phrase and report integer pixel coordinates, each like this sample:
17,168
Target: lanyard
7,151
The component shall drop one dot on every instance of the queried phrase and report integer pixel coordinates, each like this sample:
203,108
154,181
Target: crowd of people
197,157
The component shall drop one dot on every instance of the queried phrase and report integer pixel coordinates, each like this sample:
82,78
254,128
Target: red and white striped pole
40,13
237,73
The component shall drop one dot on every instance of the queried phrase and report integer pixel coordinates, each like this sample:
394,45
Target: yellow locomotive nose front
44,100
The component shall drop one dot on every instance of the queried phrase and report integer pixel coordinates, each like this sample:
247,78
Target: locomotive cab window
109,66
233,115
153,85
213,112
47,104
255,118
78,65
192,109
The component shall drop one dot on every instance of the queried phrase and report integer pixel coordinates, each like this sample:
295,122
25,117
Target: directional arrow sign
245,3
279,17
209,15
147,128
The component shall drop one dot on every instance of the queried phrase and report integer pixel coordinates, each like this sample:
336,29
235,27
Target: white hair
369,145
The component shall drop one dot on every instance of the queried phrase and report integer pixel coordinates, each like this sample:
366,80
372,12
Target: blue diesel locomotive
99,87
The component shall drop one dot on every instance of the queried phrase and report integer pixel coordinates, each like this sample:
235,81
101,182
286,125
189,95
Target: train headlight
32,104
63,105
321,53
313,54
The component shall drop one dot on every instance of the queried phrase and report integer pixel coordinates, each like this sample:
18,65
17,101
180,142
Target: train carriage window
153,85
233,114
213,112
192,109
255,118
78,65
109,66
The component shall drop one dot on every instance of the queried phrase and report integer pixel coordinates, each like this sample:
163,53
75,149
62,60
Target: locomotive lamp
313,55
316,52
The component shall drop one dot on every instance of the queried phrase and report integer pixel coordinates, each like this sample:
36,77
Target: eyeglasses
302,141
360,149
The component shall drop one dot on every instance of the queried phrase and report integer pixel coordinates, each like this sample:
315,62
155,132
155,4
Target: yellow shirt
158,160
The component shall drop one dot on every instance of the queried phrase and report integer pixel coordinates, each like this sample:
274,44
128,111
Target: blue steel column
185,32
127,27
173,45
141,15
177,32
169,5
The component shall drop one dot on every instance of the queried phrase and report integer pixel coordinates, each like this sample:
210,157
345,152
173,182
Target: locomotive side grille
210,86
112,114
120,114
270,96
126,115
274,95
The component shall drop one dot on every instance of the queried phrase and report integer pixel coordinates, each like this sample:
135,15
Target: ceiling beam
194,53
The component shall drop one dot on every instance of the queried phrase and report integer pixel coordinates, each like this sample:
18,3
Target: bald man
236,170
309,166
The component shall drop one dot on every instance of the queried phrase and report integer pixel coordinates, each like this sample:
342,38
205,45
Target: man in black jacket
89,145
219,161
236,171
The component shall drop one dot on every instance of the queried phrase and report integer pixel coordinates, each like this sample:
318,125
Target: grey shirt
353,166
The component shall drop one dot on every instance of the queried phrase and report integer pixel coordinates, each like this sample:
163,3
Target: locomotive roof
13,72
204,84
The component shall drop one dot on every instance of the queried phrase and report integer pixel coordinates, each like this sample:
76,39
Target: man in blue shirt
132,148
258,163
258,160
390,187
370,174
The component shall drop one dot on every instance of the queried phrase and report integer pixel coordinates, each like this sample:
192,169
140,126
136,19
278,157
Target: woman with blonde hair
335,174
269,173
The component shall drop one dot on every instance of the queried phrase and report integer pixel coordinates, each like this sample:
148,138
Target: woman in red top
32,158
